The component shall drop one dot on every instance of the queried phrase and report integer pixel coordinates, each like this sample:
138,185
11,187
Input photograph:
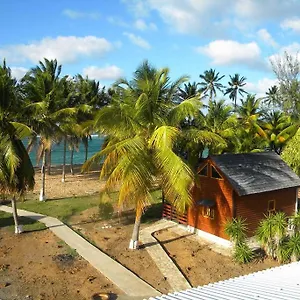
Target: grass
70,251
63,209
6,220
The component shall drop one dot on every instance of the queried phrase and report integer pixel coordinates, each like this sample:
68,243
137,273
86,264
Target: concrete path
125,280
165,264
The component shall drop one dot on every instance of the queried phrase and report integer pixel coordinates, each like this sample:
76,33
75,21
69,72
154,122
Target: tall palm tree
236,84
211,83
272,96
47,107
16,170
142,125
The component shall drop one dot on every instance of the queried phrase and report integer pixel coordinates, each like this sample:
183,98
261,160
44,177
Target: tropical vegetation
157,130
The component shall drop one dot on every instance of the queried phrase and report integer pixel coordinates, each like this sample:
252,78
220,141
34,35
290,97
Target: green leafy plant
236,229
243,253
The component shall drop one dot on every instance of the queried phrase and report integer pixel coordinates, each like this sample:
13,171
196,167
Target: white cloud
73,14
260,87
210,17
140,24
137,40
264,35
106,73
117,21
292,49
137,7
228,52
64,48
18,72
293,24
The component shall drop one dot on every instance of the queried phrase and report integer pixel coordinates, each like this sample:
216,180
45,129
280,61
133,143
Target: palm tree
277,129
16,170
189,90
235,87
272,96
221,121
47,107
211,83
142,125
249,132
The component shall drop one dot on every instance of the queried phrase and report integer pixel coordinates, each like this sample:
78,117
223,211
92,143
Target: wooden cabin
238,185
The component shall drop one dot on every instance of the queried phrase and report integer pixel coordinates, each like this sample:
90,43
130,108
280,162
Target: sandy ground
200,265
37,265
79,184
112,237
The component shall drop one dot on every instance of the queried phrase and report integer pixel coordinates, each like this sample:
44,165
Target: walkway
165,264
125,280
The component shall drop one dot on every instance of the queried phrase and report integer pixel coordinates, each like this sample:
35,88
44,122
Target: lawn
6,220
64,209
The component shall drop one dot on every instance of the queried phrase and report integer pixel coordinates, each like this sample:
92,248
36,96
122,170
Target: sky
108,39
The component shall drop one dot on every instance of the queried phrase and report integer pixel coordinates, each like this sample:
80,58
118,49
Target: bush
242,253
236,229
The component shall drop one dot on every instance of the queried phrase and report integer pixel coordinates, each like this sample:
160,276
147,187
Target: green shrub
236,229
105,210
242,253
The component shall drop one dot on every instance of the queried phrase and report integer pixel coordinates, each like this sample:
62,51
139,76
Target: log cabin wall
221,192
254,207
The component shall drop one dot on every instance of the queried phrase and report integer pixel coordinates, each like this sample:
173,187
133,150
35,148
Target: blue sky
108,39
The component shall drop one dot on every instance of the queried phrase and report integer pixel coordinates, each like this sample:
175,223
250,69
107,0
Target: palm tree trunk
43,172
18,228
134,242
86,145
49,161
71,163
64,161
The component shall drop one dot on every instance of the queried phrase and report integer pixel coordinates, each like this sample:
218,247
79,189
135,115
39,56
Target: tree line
156,130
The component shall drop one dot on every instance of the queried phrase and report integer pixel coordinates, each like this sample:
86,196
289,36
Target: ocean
78,158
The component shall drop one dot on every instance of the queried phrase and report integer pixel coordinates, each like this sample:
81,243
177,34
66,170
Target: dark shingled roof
253,173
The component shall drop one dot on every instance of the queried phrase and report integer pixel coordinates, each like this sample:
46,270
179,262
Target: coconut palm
211,83
235,88
142,125
277,129
272,96
16,170
47,107
221,121
189,90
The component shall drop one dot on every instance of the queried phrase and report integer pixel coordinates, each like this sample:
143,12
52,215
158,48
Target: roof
276,283
253,173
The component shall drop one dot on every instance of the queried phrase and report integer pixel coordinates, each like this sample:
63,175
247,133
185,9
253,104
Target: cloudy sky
108,39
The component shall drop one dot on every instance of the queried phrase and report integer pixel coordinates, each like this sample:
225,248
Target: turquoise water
58,149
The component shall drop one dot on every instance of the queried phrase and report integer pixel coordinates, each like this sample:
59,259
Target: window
204,171
215,173
208,212
271,205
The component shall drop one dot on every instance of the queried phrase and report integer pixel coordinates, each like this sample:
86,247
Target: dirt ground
200,265
37,265
79,184
112,237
